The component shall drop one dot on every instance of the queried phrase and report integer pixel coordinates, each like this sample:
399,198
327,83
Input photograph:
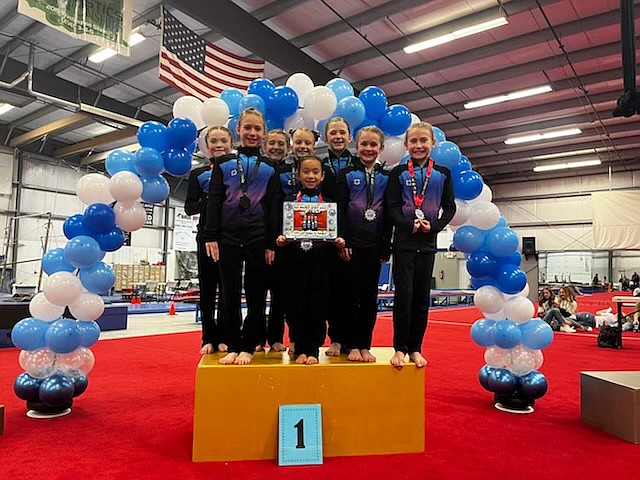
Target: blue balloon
502,381
181,132
99,218
232,97
533,385
26,387
506,334
80,385
63,336
153,135
510,279
321,127
233,128
111,240
189,148
375,102
446,154
148,161
119,161
341,88
282,101
28,333
253,101
90,332
396,120
352,110
56,390
438,135
83,251
483,376
467,185
54,261
98,278
462,165
468,239
177,161
367,122
536,334
477,282
155,189
502,222
262,87
74,226
481,264
502,242
275,123
481,332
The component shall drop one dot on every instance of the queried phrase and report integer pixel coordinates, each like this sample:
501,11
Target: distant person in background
635,279
566,301
596,280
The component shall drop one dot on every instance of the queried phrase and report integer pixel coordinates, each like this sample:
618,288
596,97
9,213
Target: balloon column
513,339
55,352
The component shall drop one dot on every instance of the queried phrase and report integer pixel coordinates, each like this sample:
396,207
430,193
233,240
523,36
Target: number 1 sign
300,435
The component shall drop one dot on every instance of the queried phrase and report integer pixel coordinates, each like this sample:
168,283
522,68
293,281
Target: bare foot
206,348
228,359
311,360
354,355
277,347
259,348
367,357
301,359
333,350
398,360
418,359
244,358
223,347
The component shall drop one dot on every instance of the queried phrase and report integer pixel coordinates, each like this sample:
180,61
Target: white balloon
189,107
89,307
522,361
525,291
43,309
519,309
497,357
393,151
125,186
94,188
78,362
485,196
214,111
301,84
39,363
129,217
489,299
484,215
320,102
62,288
300,119
415,119
499,315
463,211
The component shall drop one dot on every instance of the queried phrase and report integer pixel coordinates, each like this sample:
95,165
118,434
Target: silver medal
419,214
306,245
369,214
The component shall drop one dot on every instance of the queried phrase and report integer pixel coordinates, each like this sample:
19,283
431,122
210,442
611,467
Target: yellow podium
367,408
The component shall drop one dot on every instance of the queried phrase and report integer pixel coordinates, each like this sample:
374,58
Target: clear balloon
129,217
489,299
215,111
76,363
302,84
39,363
43,309
62,288
519,309
522,361
497,357
93,188
188,107
28,333
320,102
89,307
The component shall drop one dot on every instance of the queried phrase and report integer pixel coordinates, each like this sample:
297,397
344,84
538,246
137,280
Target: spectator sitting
596,280
549,312
636,292
566,301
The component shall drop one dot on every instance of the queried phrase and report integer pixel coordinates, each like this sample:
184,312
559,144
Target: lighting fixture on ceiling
562,166
104,53
5,107
463,32
529,92
572,153
543,136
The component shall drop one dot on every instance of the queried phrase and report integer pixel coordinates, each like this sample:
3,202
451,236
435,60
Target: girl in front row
367,234
242,224
306,266
219,141
415,195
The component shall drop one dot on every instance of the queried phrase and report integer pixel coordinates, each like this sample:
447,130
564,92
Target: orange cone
133,300
172,308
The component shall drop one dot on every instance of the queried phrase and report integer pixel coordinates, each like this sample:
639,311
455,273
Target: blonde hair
293,131
372,129
419,126
277,131
218,127
334,120
251,111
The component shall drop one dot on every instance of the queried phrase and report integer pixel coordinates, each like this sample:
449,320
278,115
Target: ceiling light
562,166
543,136
463,32
572,153
508,96
104,53
5,107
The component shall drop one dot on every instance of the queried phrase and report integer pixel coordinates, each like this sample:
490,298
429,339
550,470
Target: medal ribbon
244,182
299,197
370,179
418,199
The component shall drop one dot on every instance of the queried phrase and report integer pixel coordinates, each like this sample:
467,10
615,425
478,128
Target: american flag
199,68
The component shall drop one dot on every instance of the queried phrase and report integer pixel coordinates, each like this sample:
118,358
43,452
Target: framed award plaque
310,221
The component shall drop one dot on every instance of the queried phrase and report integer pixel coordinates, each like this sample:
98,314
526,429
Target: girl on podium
419,201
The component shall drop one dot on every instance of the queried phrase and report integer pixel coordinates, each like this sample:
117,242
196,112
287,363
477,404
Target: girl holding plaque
367,233
416,193
242,224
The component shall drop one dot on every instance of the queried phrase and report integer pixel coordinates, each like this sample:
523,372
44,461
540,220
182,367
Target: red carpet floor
135,420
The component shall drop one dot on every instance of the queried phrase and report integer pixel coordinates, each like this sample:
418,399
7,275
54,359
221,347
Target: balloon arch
55,352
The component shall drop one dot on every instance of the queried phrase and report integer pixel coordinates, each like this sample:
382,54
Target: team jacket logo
233,173
356,181
407,183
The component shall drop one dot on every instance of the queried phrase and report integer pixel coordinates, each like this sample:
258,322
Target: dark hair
309,157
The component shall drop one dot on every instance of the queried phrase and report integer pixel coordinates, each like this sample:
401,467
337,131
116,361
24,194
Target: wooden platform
367,409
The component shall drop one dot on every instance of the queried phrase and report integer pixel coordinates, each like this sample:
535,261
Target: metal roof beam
65,124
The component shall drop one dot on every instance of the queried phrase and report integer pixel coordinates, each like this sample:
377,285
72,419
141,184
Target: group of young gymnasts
239,198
